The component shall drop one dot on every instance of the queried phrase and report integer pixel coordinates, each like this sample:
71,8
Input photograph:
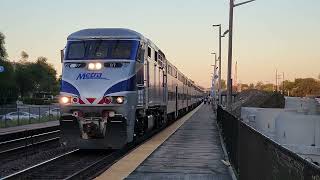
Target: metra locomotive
117,85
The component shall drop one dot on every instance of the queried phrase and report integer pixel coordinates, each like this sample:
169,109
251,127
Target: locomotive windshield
102,49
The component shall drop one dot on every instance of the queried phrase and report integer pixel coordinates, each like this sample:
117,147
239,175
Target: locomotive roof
105,33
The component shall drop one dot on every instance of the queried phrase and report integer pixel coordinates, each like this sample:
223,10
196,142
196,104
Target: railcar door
176,100
187,97
146,81
164,88
160,85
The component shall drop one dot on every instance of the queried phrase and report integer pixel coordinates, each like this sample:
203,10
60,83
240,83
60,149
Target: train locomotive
116,86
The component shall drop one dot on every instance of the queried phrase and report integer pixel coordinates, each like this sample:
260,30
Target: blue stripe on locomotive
125,85
68,88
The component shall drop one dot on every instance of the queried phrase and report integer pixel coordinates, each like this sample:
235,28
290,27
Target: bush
37,101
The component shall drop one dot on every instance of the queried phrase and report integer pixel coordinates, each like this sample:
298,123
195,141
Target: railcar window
170,70
98,49
149,52
102,49
121,50
155,55
160,64
76,50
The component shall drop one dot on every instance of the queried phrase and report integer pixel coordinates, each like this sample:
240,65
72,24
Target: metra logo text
90,76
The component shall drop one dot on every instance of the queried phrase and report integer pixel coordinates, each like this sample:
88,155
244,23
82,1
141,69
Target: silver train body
118,85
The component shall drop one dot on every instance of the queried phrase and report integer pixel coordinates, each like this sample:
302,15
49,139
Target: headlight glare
98,66
94,66
65,100
91,66
120,100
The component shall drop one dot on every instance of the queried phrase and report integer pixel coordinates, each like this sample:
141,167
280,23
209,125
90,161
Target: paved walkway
193,152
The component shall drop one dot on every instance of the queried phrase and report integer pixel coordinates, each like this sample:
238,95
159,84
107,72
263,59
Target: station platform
16,129
188,149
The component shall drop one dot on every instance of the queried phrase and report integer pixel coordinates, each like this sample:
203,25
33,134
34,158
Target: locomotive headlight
91,66
94,66
120,100
65,100
98,66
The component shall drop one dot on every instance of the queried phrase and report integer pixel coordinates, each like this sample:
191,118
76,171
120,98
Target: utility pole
229,81
276,80
219,87
283,83
220,67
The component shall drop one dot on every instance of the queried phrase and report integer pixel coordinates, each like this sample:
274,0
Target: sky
268,34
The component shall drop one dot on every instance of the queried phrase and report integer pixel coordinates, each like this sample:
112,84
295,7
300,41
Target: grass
20,122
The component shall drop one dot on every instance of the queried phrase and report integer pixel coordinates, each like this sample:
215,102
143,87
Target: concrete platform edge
123,173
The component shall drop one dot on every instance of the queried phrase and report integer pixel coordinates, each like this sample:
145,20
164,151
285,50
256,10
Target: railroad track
77,164
28,150
64,166
26,144
13,146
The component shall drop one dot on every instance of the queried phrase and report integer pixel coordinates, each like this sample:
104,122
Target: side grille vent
113,65
75,65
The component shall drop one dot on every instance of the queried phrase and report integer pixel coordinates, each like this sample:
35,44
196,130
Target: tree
3,52
268,87
244,86
39,76
24,78
24,56
8,93
259,85
306,86
45,76
287,86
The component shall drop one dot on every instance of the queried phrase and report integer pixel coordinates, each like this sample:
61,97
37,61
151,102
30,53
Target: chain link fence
22,115
255,156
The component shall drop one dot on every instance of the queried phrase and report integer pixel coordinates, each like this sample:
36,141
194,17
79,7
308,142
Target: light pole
214,74
229,81
220,69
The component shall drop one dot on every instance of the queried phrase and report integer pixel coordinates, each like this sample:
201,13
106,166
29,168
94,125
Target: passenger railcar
118,85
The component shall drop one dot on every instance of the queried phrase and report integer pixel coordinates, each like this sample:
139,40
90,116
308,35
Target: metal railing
23,115
255,156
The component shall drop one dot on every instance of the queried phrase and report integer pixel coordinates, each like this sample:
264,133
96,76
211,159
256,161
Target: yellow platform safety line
125,166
